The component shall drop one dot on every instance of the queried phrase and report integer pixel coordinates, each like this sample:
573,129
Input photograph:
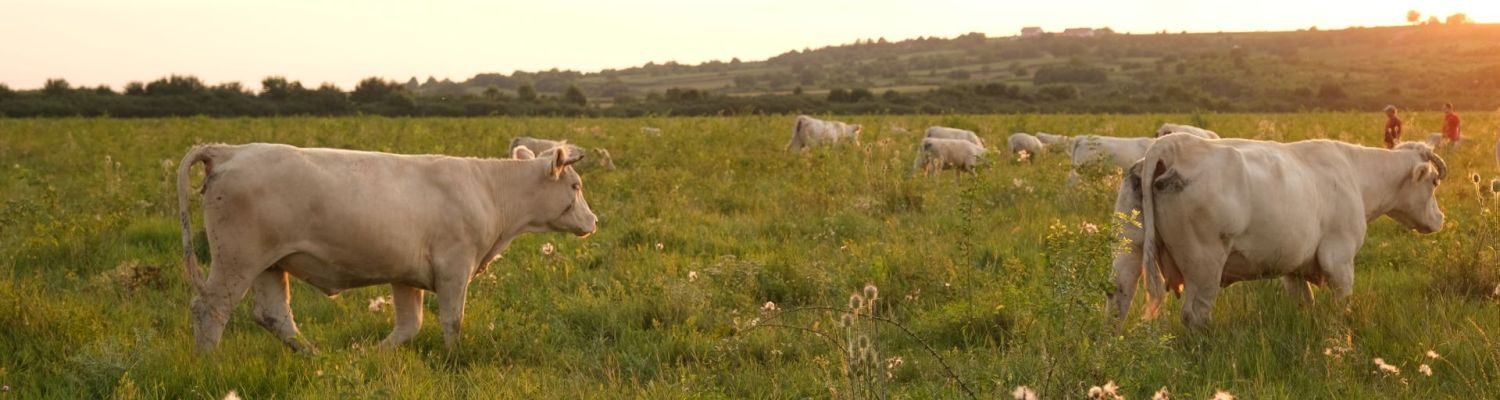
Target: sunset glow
112,43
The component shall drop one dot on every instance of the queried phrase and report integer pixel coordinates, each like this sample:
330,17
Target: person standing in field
1392,127
1450,124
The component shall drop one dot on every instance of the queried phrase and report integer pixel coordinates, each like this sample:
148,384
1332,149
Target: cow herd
1212,212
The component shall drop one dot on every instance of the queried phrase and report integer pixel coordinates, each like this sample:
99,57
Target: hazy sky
316,41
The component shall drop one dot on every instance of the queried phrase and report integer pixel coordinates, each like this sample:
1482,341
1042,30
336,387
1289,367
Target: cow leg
408,314
1336,259
1202,270
1297,287
1127,275
451,291
227,282
272,307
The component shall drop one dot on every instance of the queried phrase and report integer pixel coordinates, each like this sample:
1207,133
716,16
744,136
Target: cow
809,132
538,146
1120,152
604,158
1222,211
342,219
1023,142
1052,141
936,154
943,132
1170,128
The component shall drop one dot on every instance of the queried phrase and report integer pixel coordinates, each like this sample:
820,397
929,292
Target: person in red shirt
1450,124
1392,127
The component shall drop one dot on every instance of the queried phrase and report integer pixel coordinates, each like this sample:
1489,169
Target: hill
1413,67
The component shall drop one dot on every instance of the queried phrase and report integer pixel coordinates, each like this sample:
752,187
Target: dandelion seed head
1425,370
871,292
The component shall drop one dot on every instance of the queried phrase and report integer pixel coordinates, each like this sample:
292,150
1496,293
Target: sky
343,41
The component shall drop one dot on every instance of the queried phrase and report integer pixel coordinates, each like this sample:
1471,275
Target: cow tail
796,135
194,156
1153,276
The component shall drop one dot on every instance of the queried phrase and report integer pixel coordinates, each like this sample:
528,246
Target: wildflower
548,249
319,372
232,396
659,246
692,276
1425,370
5,388
871,292
846,321
1090,228
1023,393
1433,355
1386,368
1096,392
1111,389
1328,351
1162,394
894,362
1017,182
1023,155
769,306
1220,394
379,304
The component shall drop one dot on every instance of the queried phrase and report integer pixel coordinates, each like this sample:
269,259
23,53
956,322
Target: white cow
1021,141
1053,141
809,132
1223,211
341,219
936,154
1170,128
539,146
943,132
1120,152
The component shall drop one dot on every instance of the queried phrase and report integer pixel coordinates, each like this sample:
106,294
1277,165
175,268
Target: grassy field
1002,276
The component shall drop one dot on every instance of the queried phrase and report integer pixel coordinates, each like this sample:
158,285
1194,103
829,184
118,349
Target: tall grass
1001,275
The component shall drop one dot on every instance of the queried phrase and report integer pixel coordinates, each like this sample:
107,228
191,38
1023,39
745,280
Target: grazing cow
809,132
604,158
521,153
1120,152
341,219
943,132
539,146
938,154
1223,211
1434,139
1169,128
1022,141
1053,141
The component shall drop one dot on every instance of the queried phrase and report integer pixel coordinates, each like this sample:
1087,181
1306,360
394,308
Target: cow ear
522,153
1420,172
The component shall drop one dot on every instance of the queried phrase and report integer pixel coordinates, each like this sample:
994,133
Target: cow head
856,129
560,206
1415,201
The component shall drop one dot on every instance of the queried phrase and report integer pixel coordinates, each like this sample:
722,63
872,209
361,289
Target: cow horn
1437,161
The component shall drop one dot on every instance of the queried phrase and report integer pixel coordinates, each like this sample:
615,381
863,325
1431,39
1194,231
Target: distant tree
1433,20
493,93
373,90
575,96
277,88
103,90
797,91
1459,19
734,61
135,89
860,94
176,85
6,92
56,86
890,94
526,93
1413,17
1057,92
412,85
838,95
